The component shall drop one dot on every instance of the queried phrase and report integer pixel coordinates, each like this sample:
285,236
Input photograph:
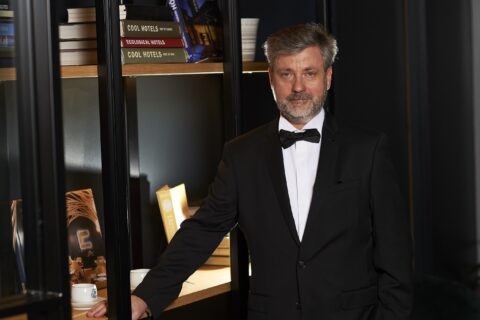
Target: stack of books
148,35
151,41
7,35
78,38
221,255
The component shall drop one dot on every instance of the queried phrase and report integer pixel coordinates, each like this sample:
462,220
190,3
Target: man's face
299,84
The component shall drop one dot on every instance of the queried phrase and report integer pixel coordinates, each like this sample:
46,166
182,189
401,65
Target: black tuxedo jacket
354,261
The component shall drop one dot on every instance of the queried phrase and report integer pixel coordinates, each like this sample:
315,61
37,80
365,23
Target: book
153,55
146,12
225,243
173,208
204,25
71,31
126,11
85,242
78,57
149,28
218,261
5,5
7,41
221,252
78,44
7,28
151,42
192,55
7,52
6,13
7,62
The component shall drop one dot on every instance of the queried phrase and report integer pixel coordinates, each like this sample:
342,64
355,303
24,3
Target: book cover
149,28
192,54
151,42
204,25
85,243
78,57
173,208
153,55
70,31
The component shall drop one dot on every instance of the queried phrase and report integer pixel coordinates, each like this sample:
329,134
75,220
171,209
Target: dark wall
452,138
369,77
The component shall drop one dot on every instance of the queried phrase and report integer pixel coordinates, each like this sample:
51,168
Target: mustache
299,96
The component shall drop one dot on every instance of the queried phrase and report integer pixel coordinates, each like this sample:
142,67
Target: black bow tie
288,138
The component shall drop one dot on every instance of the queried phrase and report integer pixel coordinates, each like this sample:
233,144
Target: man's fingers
98,310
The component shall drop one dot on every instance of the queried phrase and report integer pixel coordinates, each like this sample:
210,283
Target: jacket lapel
326,172
276,170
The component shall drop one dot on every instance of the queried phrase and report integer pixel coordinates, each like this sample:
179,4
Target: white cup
136,276
248,27
84,292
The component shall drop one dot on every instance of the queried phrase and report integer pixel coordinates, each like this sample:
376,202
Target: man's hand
100,309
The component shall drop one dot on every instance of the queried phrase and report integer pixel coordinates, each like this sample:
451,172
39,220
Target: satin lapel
276,169
325,177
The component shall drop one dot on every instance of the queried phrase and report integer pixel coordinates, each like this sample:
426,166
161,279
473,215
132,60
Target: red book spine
151,42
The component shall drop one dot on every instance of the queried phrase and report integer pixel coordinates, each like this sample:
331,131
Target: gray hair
292,40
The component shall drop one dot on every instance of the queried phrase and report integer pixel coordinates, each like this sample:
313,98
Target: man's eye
310,74
285,74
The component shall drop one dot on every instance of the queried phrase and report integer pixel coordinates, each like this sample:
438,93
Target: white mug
84,292
136,276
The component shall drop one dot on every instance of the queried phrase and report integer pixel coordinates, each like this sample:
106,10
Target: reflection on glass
12,274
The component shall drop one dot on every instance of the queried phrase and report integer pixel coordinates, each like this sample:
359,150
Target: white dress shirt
300,162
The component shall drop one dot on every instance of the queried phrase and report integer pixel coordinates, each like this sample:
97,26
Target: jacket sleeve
194,242
392,240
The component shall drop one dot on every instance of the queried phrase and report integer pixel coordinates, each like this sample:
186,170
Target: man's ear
270,74
329,76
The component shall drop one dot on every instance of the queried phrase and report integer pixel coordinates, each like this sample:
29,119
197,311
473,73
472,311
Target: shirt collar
315,123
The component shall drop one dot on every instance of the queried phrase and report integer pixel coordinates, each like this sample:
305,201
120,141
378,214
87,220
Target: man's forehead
309,57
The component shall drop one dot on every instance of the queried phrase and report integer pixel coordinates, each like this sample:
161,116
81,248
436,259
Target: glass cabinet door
33,264
12,271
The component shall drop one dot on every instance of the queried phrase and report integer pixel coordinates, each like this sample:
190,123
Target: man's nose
298,85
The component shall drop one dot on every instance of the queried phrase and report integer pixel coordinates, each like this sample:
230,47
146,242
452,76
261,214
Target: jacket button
302,264
298,305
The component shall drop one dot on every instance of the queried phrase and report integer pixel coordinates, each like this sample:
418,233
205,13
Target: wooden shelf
135,70
206,282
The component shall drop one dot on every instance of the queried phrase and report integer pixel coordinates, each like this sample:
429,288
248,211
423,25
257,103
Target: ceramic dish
86,305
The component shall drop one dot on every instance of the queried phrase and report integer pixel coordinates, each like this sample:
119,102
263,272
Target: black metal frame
42,165
115,162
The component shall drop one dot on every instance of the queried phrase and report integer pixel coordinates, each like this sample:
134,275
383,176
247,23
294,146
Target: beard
301,115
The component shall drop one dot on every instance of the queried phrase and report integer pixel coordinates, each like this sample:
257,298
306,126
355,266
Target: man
322,213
